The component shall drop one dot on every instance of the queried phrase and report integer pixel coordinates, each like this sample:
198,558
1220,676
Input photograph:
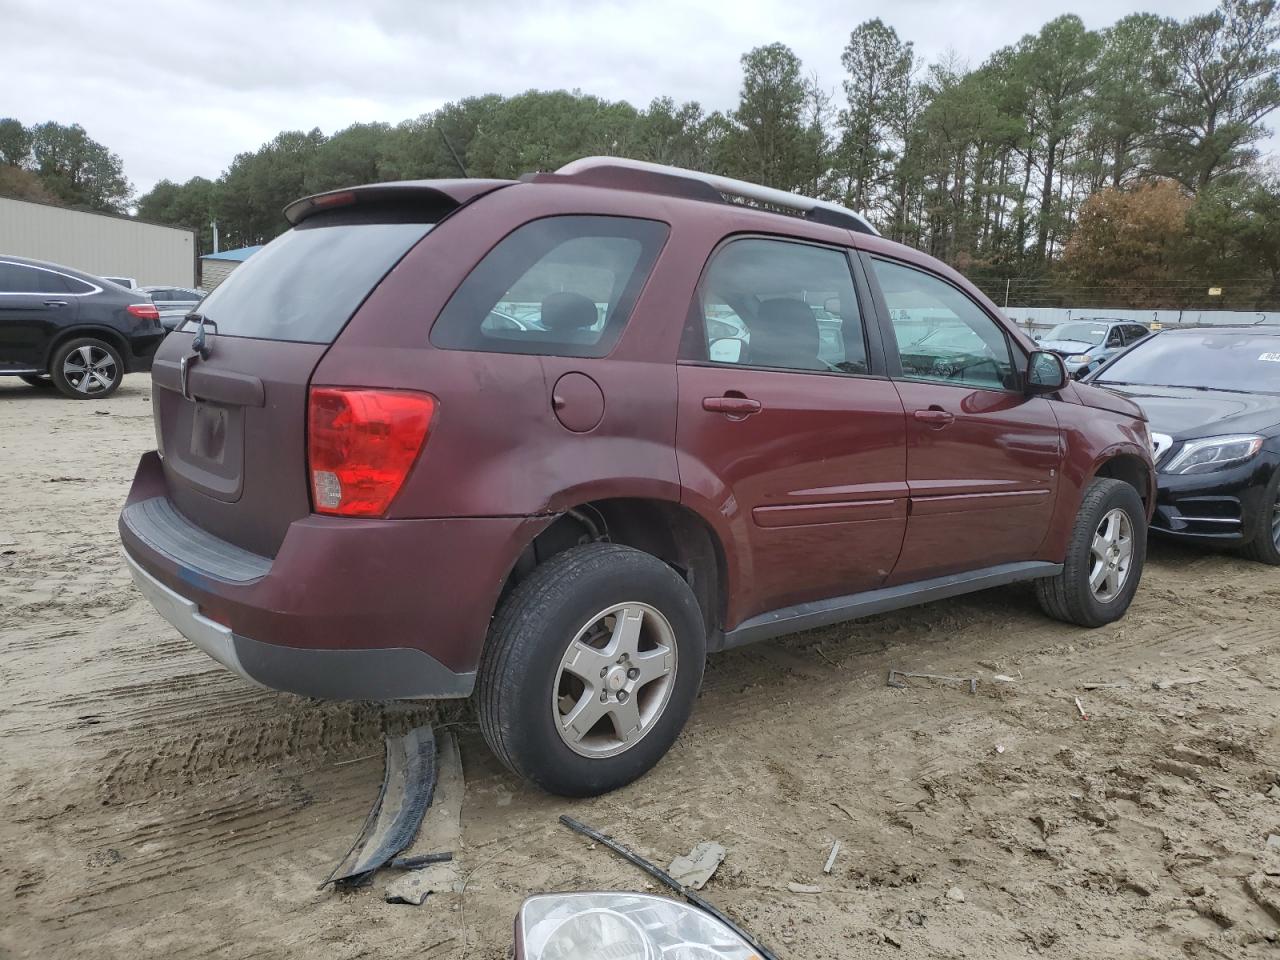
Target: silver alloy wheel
614,680
89,369
1111,555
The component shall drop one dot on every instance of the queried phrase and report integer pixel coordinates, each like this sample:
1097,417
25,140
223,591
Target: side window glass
19,278
772,303
10,278
76,286
562,286
942,335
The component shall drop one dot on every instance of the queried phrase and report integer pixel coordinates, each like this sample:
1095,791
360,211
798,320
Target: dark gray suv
71,330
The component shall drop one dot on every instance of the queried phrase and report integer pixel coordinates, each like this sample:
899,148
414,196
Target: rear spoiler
443,195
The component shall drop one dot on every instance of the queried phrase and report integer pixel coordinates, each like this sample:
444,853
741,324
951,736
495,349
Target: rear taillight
361,445
144,311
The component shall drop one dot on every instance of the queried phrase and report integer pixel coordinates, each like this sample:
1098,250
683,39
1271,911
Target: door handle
55,303
936,417
735,406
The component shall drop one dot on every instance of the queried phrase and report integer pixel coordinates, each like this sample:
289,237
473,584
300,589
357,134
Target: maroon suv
550,442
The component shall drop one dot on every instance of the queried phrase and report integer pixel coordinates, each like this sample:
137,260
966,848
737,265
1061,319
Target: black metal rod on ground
422,860
668,881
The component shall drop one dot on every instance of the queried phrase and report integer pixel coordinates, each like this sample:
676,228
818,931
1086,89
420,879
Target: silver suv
1084,344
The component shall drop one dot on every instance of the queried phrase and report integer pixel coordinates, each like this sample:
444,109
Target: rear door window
779,304
560,286
304,285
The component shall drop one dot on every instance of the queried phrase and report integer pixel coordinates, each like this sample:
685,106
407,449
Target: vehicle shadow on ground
14,390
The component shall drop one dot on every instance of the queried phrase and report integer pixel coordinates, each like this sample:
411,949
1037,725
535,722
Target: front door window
942,335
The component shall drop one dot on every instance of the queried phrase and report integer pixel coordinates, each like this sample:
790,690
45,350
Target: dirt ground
153,805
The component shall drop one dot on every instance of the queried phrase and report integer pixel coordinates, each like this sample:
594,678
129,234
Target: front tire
591,669
1105,557
1264,546
87,368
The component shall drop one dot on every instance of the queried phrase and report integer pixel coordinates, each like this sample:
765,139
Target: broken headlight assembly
622,926
1213,453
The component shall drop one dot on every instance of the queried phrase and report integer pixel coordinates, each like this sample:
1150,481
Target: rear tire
1265,545
87,368
36,379
1105,557
556,659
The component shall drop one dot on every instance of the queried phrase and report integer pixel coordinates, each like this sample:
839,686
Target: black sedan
1213,398
78,332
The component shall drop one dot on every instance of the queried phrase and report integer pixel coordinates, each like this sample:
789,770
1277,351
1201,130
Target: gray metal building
99,243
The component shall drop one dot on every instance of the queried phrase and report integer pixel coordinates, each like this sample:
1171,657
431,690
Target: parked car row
67,329
73,331
549,443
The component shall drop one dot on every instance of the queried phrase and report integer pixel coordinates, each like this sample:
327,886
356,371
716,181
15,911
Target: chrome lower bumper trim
213,638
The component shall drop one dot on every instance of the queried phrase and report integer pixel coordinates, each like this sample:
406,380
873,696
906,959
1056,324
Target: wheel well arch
113,337
1128,468
667,530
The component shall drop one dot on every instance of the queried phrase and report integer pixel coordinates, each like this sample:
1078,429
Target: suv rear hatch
232,438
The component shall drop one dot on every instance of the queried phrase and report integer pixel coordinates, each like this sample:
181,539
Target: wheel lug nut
633,673
622,696
604,671
604,696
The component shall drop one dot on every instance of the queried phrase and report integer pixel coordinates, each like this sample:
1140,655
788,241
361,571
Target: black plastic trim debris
408,785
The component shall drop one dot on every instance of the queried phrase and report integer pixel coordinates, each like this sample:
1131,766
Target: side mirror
1045,372
725,350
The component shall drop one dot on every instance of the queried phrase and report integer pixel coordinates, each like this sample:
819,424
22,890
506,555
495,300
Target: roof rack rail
659,175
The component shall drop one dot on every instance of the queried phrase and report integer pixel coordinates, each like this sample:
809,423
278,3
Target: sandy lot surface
152,805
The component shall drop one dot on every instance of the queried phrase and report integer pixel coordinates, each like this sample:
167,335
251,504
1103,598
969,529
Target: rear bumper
142,348
371,674
1218,508
347,609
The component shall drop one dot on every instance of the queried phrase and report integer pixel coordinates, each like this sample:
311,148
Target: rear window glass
561,286
77,286
304,285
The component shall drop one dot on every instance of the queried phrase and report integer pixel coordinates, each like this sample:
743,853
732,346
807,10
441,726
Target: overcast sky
177,89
